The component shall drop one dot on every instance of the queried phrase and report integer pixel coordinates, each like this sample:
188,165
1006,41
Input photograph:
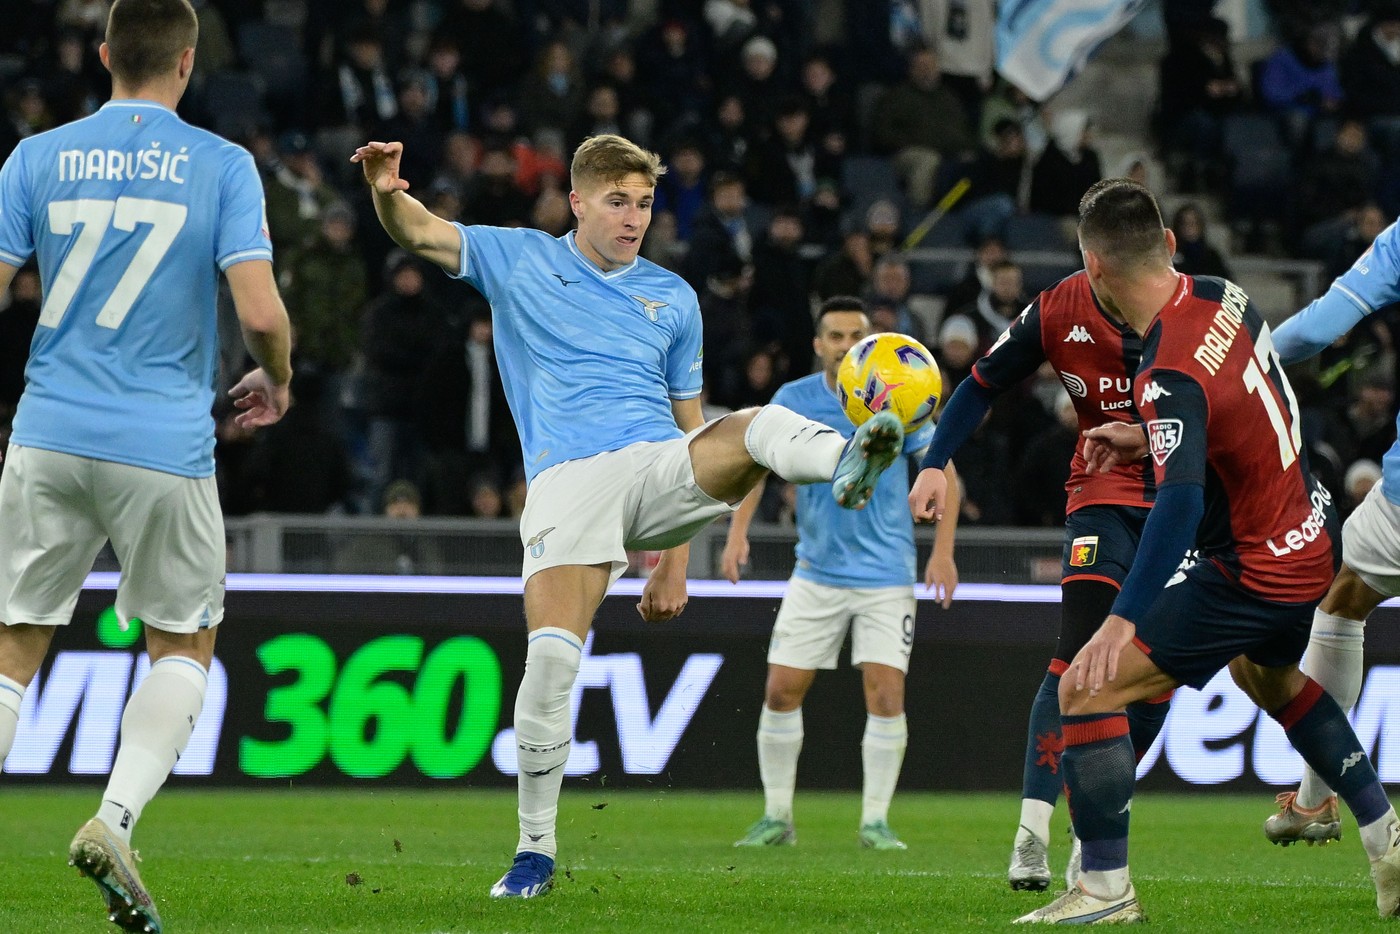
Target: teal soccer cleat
873,447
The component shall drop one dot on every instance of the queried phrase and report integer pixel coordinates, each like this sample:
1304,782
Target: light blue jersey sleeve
489,256
16,229
685,361
242,232
1372,282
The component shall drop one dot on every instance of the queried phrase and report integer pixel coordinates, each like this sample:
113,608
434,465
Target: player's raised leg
1333,660
780,737
559,605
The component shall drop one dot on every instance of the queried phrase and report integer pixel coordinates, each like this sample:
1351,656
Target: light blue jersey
132,213
872,547
589,359
1372,282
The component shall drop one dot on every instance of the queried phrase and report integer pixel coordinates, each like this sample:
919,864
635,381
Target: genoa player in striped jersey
1095,355
1232,479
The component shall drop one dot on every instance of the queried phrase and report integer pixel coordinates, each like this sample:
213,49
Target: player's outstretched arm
264,395
736,543
941,572
404,217
1107,446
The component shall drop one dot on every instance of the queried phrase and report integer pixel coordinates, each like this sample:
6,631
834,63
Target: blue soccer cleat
530,875
873,447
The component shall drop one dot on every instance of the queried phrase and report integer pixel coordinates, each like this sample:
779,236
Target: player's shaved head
1119,220
607,159
145,38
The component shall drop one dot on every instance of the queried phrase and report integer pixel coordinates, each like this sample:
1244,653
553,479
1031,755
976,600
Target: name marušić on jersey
114,165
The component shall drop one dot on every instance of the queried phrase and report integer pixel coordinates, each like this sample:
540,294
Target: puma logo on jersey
564,282
1079,335
1152,392
649,307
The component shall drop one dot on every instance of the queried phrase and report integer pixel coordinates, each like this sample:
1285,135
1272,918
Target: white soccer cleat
1320,825
1079,907
1030,865
111,864
1385,872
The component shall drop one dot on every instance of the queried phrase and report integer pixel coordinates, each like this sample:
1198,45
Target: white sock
156,725
1333,660
795,448
779,745
1105,883
11,696
882,753
1375,836
544,733
1035,820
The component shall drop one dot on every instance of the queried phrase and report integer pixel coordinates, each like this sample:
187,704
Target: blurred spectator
721,228
297,465
1198,89
1299,80
1369,221
785,167
297,193
882,227
1194,254
1370,66
760,380
757,82
997,305
999,179
1372,416
779,302
634,110
1038,490
460,154
724,315
386,20
402,551
678,81
553,215
890,284
681,191
414,124
362,94
731,22
325,286
845,271
989,253
1067,167
956,351
492,44
1333,185
1141,167
602,114
18,318
831,109
86,17
75,82
402,330
921,123
662,245
1360,477
552,95
964,34
31,112
731,136
493,197
452,102
1006,101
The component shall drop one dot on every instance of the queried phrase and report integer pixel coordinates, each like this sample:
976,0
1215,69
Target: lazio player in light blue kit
855,571
131,214
600,355
1370,569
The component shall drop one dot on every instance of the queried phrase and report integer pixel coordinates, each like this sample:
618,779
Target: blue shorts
1204,620
1100,542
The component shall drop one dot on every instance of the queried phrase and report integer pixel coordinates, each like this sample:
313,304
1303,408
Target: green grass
649,861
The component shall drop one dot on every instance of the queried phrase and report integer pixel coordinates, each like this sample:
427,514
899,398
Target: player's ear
186,63
1171,241
105,55
574,202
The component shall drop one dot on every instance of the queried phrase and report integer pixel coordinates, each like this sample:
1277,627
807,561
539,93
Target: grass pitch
422,861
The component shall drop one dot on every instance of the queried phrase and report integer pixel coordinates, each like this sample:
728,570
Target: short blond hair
607,158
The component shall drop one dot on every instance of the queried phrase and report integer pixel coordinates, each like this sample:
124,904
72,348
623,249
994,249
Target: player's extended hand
1107,446
380,162
941,576
929,492
664,596
734,558
263,402
1097,662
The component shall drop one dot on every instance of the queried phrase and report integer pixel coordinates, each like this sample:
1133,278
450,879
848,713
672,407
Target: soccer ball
889,371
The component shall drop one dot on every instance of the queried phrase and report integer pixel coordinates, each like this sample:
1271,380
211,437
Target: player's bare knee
884,690
198,645
786,688
22,650
1269,688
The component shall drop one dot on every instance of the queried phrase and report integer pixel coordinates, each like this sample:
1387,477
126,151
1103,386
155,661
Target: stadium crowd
805,139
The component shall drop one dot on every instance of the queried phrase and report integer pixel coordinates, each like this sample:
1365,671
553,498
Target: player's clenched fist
928,495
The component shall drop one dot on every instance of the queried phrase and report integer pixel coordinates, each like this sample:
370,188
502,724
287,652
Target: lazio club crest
650,308
1083,551
536,543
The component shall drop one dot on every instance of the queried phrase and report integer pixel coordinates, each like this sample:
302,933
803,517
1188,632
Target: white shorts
813,620
1371,543
593,510
57,510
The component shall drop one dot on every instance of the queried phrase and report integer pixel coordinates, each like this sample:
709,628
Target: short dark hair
1119,219
839,303
145,38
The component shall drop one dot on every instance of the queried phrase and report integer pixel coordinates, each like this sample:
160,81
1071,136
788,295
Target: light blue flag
1041,44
